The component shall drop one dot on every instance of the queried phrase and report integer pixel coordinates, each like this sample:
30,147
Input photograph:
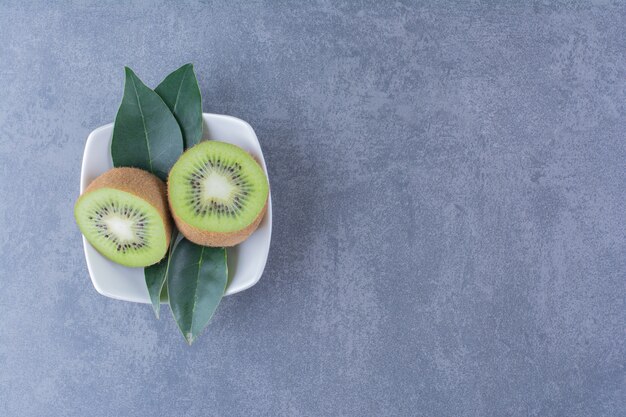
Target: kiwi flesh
217,193
123,213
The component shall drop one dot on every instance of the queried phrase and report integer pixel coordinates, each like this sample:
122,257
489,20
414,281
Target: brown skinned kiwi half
124,215
217,193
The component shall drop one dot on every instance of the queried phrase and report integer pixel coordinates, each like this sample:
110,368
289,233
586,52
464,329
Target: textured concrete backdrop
449,186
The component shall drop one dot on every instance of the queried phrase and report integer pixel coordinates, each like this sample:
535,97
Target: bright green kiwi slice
217,194
124,223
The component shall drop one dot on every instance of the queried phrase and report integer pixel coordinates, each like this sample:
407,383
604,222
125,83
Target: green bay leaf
155,276
180,91
196,281
146,135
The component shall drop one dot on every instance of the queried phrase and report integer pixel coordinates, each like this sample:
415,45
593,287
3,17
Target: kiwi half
217,194
123,214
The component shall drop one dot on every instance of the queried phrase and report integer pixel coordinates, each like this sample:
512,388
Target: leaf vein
180,87
195,298
143,121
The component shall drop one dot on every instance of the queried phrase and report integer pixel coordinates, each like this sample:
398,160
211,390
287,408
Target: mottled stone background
449,186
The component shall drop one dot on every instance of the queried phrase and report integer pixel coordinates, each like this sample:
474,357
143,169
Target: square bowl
246,261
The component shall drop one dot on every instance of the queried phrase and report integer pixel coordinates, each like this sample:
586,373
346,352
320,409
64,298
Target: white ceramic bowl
245,261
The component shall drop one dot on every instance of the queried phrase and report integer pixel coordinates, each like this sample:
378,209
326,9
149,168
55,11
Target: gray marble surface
449,186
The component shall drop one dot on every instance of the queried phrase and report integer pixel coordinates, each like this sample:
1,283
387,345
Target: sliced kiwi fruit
123,214
217,194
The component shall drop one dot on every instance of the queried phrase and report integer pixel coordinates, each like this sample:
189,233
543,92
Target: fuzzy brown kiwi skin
217,239
141,184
